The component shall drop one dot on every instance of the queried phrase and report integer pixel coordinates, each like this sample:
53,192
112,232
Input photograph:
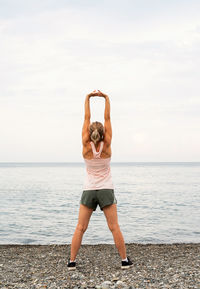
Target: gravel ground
99,266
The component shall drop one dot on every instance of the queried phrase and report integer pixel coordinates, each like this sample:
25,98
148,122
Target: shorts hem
97,189
94,209
107,205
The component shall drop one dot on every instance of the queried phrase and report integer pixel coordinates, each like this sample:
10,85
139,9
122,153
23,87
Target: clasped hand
97,93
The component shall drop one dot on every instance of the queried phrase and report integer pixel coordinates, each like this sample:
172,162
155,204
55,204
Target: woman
98,186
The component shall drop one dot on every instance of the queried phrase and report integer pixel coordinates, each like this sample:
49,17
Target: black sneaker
126,264
71,265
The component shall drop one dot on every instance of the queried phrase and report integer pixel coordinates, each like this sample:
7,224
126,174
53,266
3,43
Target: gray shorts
102,197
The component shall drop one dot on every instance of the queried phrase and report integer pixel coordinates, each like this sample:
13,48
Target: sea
156,203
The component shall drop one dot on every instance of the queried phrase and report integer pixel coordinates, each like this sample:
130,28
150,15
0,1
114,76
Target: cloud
146,57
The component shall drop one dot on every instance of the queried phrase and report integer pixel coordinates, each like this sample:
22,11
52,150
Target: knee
81,228
113,227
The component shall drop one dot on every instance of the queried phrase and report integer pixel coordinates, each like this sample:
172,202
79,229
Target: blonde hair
96,131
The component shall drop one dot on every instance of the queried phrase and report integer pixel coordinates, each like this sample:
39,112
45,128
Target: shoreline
175,265
87,244
100,244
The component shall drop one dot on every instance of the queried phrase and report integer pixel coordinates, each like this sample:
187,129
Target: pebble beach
99,266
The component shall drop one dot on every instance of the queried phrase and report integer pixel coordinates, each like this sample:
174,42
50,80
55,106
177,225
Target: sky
144,54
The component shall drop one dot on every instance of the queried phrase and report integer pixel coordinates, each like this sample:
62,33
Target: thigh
84,215
110,213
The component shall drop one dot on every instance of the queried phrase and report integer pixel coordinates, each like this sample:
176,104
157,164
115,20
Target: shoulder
106,152
87,150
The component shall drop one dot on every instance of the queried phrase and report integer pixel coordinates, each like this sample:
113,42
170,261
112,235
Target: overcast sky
144,54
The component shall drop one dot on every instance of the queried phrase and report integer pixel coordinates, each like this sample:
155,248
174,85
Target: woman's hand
101,94
94,93
97,93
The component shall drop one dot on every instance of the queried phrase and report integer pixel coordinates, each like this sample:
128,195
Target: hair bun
95,136
96,131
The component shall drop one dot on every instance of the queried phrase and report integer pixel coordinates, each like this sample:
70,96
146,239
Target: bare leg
83,220
111,216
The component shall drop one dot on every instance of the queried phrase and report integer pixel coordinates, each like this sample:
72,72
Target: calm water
157,203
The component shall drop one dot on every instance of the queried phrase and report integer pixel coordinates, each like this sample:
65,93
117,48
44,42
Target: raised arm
87,115
107,121
87,108
107,108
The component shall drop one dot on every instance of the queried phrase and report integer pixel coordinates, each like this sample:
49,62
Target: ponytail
95,136
96,131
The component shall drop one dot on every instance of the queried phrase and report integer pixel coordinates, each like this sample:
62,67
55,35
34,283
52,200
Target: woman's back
88,150
98,174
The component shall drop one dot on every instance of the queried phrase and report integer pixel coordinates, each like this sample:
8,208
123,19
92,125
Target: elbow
107,117
87,117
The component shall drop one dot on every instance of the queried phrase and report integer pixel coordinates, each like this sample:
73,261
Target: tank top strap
95,153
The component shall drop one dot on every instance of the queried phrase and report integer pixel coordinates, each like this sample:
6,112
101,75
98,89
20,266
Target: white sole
125,267
71,268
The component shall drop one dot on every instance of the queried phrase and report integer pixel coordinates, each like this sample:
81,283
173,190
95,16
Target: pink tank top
98,174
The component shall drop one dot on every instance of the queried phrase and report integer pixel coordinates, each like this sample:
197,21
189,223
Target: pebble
155,266
120,284
106,284
115,279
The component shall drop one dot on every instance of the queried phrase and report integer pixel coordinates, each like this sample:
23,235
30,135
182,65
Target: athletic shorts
101,197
